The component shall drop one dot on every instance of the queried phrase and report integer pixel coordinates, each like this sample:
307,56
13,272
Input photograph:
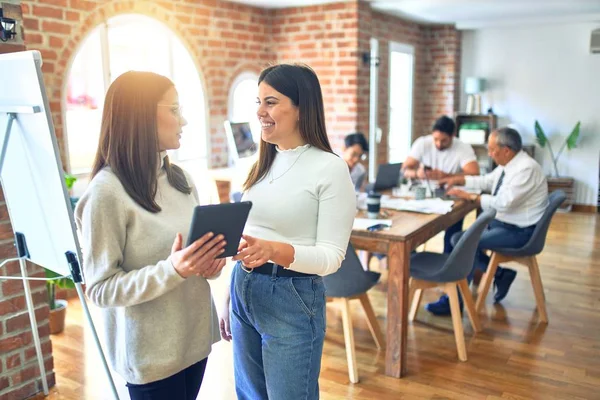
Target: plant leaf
572,139
66,283
51,274
540,135
69,180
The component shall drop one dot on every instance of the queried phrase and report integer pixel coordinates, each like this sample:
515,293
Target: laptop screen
388,176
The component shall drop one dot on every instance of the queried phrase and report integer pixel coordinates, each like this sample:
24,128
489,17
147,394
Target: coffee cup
373,204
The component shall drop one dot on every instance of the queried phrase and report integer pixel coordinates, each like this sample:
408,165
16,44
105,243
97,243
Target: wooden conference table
409,230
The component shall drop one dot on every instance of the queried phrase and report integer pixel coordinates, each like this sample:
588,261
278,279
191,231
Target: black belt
267,269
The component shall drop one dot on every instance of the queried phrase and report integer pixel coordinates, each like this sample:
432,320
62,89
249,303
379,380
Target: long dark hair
300,83
129,139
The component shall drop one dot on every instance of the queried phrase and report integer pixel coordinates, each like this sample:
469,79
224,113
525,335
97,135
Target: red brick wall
225,38
326,38
442,71
19,373
436,74
221,37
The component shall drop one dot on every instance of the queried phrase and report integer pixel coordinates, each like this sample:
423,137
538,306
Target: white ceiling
471,14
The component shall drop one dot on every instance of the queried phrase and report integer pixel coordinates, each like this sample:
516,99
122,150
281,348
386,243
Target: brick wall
221,36
19,373
326,38
226,38
436,74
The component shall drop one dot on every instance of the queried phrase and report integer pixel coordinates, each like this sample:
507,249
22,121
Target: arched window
242,102
124,43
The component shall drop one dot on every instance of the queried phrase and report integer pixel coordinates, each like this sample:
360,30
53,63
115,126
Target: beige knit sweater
156,323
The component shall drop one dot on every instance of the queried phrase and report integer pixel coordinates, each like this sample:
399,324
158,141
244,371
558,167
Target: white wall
543,72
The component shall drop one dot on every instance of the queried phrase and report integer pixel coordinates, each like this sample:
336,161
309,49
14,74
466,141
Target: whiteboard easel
34,187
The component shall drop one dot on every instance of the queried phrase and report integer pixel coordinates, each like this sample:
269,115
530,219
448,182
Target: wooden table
408,231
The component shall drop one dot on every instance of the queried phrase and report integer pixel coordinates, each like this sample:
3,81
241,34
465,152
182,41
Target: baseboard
585,208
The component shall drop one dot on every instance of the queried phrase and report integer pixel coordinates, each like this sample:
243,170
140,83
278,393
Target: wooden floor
513,358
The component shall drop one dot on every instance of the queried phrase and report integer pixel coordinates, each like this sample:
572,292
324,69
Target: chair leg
372,321
349,340
415,295
538,288
469,305
486,282
459,335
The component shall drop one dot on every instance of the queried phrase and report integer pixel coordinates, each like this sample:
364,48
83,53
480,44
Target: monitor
240,141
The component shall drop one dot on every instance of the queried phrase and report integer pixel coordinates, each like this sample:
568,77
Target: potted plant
58,307
556,181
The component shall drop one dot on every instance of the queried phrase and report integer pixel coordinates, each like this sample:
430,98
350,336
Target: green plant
56,280
570,143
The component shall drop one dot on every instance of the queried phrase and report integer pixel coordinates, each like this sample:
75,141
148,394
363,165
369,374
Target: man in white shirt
519,194
446,155
355,150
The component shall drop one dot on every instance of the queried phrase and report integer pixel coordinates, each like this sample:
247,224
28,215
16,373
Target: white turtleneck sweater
307,200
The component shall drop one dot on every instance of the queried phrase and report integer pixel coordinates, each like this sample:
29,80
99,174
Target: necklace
286,171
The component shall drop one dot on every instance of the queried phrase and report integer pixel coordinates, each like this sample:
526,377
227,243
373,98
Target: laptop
388,176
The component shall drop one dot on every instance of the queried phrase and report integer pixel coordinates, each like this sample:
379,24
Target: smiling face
278,117
353,154
169,122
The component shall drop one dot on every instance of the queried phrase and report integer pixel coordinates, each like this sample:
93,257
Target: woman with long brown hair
298,231
159,317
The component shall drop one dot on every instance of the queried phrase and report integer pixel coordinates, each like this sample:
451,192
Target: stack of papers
427,206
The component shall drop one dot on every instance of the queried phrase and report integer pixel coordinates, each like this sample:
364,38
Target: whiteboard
32,174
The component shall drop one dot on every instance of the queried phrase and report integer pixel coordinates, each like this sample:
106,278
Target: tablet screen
226,219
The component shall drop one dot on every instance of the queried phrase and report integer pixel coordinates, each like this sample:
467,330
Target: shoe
442,306
502,282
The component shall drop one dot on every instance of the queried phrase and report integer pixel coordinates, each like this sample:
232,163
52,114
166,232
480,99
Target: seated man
446,155
519,194
356,149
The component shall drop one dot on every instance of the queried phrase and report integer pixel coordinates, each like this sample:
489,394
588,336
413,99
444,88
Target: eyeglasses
361,156
177,110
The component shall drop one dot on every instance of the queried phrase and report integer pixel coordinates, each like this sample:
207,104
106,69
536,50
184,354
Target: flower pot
57,317
567,185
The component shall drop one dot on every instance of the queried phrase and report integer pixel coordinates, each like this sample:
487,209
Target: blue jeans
457,227
278,328
499,235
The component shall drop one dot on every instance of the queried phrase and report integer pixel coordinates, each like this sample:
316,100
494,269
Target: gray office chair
449,271
526,255
351,281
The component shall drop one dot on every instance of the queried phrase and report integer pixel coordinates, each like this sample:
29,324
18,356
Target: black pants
184,385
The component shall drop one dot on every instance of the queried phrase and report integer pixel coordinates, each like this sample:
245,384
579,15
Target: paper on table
364,223
427,206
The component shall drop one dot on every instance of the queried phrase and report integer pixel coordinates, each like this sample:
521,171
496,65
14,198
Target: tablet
226,219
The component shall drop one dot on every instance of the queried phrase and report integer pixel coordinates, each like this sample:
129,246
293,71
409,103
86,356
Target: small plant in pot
556,181
58,307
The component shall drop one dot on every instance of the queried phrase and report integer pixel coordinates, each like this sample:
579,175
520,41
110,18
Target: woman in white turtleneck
298,231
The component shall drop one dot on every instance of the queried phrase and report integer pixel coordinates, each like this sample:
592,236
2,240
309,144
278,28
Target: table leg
397,314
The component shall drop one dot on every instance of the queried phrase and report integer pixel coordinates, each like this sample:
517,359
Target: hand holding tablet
199,258
226,219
